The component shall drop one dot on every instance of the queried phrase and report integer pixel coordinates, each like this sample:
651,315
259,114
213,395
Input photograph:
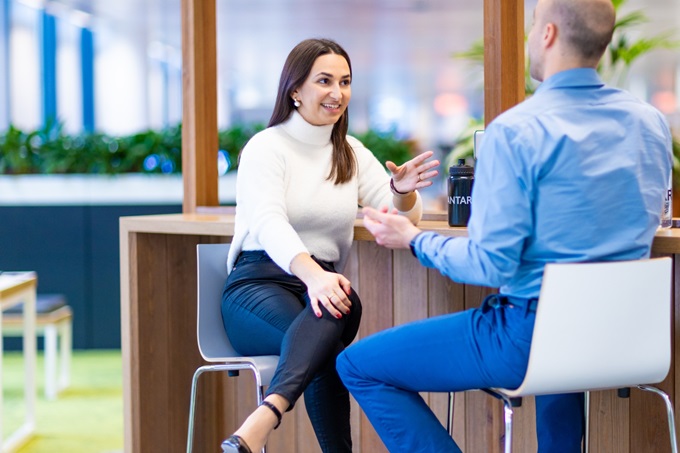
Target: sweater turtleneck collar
298,128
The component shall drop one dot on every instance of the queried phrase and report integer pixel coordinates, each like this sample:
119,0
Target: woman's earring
297,103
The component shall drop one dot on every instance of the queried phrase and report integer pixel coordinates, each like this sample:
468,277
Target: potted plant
622,52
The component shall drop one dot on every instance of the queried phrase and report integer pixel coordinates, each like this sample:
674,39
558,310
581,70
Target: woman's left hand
414,174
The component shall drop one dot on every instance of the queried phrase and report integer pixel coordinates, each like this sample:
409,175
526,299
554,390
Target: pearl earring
297,103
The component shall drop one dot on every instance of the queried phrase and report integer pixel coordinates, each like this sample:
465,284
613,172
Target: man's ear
549,35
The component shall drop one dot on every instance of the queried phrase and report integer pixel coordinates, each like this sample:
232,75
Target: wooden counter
160,354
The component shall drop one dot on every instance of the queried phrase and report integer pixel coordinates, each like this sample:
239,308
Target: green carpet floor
87,417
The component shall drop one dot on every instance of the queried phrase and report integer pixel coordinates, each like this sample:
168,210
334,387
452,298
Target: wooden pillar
503,88
503,56
199,116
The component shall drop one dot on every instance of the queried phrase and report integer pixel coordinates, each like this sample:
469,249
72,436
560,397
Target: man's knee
341,363
346,370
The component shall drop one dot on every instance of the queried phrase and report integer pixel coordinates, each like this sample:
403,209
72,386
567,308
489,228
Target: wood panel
524,426
609,423
675,368
285,438
444,297
129,298
503,56
199,104
375,280
305,438
409,286
152,384
484,437
649,434
351,272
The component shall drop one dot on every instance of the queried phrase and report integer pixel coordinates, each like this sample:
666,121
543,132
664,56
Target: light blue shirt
577,172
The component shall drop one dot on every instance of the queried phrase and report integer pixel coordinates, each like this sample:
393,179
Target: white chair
54,321
213,342
598,326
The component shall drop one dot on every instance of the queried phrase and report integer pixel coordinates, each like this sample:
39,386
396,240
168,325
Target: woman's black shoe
234,444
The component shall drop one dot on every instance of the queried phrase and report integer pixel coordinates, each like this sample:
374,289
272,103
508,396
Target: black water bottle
461,178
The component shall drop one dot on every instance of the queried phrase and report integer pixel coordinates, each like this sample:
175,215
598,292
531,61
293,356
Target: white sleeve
260,190
374,183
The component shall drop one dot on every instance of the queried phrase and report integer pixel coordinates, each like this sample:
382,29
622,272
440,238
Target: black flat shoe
234,444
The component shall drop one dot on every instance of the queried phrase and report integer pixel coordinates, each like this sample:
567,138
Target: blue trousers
267,311
477,348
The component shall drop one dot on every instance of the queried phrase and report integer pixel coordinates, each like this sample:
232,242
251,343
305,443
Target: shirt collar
298,128
572,78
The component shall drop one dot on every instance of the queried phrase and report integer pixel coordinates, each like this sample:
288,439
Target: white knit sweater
284,203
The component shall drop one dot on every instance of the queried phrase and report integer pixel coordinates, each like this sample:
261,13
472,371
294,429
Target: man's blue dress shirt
577,172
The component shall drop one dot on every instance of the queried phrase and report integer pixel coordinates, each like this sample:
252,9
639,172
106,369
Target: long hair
295,71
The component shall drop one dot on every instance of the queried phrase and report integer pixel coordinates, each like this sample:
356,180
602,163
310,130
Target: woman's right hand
330,290
414,174
324,288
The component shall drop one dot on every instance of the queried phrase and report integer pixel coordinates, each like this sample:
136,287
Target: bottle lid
461,169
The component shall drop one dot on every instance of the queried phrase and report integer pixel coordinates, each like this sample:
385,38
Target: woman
299,184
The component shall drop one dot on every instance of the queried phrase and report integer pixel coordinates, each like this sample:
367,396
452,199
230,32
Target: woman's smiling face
326,92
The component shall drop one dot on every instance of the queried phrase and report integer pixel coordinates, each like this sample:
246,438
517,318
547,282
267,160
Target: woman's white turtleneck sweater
285,205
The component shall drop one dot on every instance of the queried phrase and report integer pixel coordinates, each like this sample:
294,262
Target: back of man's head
584,26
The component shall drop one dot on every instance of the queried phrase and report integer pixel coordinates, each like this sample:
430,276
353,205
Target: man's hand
390,230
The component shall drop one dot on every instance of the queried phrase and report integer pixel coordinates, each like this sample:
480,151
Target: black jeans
266,311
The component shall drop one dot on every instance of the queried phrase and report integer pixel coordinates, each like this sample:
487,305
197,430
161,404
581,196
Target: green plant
233,140
49,150
621,53
386,146
623,50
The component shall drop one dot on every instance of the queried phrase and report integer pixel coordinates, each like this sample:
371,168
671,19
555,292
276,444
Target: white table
17,287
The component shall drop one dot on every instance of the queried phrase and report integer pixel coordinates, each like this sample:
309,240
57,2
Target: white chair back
213,342
599,326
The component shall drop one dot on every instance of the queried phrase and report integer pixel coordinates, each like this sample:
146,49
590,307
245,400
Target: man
575,173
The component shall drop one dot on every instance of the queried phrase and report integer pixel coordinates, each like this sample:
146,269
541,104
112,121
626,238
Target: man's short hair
586,25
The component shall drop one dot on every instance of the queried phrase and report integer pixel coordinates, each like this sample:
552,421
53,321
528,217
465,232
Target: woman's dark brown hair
295,71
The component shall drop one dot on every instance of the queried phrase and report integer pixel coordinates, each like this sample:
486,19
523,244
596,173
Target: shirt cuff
413,244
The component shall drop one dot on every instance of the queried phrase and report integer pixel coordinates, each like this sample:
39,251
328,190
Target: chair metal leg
669,411
194,386
586,417
449,416
507,410
260,397
192,408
